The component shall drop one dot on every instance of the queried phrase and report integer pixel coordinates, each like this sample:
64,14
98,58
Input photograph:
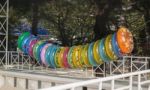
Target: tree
143,6
35,16
77,22
104,8
71,20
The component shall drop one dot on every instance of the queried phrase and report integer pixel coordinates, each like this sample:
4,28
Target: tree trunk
147,21
102,18
147,29
100,28
62,32
35,17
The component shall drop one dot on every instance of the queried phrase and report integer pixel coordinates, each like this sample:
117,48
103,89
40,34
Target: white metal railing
125,65
19,61
112,79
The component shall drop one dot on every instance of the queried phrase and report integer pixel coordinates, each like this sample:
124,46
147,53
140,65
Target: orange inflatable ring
125,40
60,58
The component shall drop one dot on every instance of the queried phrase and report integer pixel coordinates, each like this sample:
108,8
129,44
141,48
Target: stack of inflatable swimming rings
105,50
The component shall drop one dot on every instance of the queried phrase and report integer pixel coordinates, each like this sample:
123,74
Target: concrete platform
6,87
17,80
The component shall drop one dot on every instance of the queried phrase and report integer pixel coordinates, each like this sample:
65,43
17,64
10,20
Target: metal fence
21,62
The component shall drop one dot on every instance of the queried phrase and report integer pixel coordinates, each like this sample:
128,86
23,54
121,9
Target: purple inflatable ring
42,55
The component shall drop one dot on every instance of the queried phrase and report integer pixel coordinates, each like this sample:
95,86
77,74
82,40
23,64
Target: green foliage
69,19
137,23
66,20
72,21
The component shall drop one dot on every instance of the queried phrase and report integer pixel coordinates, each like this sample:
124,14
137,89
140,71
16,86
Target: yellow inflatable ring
96,54
84,56
109,50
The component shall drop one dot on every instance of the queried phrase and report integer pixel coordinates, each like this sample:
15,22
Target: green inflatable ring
21,38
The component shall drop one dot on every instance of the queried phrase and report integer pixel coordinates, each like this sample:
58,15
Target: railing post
73,88
146,67
30,63
18,56
104,70
123,65
110,63
86,71
100,86
139,81
11,61
112,84
22,61
8,57
131,82
148,87
131,64
93,71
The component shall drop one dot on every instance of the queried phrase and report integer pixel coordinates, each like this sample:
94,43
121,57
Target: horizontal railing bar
123,88
31,76
135,57
139,62
83,83
125,75
145,82
3,16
